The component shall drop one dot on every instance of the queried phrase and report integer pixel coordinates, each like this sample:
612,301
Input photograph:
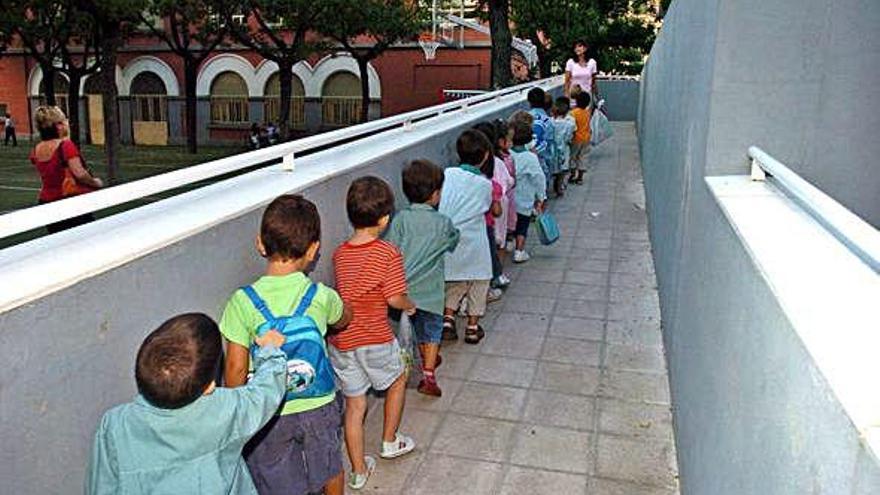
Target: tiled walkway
568,392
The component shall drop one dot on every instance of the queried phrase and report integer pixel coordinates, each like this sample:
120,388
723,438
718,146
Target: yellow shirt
582,121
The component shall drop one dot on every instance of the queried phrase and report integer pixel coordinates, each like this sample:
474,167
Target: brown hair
420,179
369,199
178,360
290,225
521,123
473,147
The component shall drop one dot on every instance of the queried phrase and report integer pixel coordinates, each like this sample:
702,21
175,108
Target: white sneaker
521,256
494,295
356,481
503,280
401,445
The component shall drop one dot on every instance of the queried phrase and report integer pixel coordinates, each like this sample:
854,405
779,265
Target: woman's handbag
69,185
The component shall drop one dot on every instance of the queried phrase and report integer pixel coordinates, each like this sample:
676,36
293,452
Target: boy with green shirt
424,236
298,452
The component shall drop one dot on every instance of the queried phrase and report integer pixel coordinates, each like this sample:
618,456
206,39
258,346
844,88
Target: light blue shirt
564,128
544,137
465,199
140,448
531,184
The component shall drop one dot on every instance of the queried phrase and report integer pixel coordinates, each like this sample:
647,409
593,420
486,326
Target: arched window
148,103
60,85
229,99
341,97
272,102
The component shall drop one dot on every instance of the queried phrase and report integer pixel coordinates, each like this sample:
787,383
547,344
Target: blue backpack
309,373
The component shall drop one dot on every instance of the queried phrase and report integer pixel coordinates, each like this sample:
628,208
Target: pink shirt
497,194
582,75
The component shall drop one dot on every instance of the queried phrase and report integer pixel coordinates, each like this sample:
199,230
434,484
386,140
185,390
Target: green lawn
20,183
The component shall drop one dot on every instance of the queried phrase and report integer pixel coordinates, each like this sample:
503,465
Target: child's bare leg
355,411
336,485
473,321
394,400
520,242
429,355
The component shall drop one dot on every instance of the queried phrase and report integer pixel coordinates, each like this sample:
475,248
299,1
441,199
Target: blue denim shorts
428,327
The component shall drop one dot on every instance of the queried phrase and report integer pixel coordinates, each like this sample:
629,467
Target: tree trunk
285,76
365,89
49,83
112,39
73,96
190,76
502,39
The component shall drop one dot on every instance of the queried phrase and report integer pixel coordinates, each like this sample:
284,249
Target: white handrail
856,234
35,217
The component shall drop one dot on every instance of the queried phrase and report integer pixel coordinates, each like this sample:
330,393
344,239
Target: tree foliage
367,28
620,32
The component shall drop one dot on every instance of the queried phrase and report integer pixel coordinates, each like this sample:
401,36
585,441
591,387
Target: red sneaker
428,386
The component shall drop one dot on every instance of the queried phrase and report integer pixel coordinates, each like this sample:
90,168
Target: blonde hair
576,90
48,116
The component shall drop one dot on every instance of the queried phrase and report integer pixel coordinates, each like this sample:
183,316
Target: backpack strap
306,301
258,303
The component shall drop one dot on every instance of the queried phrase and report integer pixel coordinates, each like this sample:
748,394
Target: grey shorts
297,454
376,366
580,153
474,291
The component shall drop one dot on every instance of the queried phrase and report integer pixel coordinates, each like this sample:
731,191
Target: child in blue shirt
424,236
564,127
181,434
531,184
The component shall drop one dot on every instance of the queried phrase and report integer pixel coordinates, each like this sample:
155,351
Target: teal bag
548,230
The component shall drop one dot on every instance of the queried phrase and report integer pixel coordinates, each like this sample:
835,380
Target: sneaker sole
398,453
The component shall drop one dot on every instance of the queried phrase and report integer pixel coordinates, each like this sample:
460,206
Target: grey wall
753,414
621,98
69,356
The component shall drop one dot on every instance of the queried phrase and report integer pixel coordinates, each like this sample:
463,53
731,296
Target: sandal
449,332
473,335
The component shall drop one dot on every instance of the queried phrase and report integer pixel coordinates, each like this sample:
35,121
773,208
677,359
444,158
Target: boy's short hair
421,178
290,225
178,361
536,98
548,101
488,129
562,105
521,123
473,147
582,100
369,199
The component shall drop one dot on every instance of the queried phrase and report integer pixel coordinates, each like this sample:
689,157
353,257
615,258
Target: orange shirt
366,276
582,121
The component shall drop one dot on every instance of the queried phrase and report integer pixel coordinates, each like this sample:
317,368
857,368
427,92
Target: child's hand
410,311
272,338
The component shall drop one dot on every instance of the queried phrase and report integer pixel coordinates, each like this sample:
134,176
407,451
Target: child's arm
256,402
403,303
496,210
236,368
344,320
394,285
102,476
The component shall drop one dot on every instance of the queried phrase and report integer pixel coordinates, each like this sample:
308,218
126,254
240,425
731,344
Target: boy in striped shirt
370,277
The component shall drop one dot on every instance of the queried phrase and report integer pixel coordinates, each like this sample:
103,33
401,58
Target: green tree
383,22
192,30
277,30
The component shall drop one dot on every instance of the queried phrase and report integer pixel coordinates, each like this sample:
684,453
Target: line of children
271,429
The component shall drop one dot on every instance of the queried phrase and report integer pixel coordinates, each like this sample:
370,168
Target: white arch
36,78
232,63
341,62
148,63
267,68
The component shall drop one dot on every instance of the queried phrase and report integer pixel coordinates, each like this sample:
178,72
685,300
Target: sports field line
19,188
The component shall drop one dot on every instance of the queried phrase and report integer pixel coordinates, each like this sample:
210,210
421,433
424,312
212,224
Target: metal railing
341,110
460,94
856,234
39,216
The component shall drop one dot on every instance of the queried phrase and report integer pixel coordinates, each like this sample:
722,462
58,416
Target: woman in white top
580,71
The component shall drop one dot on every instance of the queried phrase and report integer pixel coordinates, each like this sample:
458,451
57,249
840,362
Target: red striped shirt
366,276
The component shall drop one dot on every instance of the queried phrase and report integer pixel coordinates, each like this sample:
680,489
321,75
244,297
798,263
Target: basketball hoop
430,48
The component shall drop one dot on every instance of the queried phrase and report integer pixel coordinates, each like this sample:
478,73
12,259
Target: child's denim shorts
299,453
428,327
376,366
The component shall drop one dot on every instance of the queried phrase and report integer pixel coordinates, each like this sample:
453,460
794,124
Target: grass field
20,183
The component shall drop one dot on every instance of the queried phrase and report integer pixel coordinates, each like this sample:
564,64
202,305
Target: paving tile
475,438
563,410
636,419
537,275
581,309
503,371
419,424
390,477
444,475
455,365
586,278
638,310
450,386
571,351
567,378
645,461
526,481
635,358
577,328
513,344
528,324
553,448
633,332
530,288
599,486
529,305
583,292
629,280
651,387
493,401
